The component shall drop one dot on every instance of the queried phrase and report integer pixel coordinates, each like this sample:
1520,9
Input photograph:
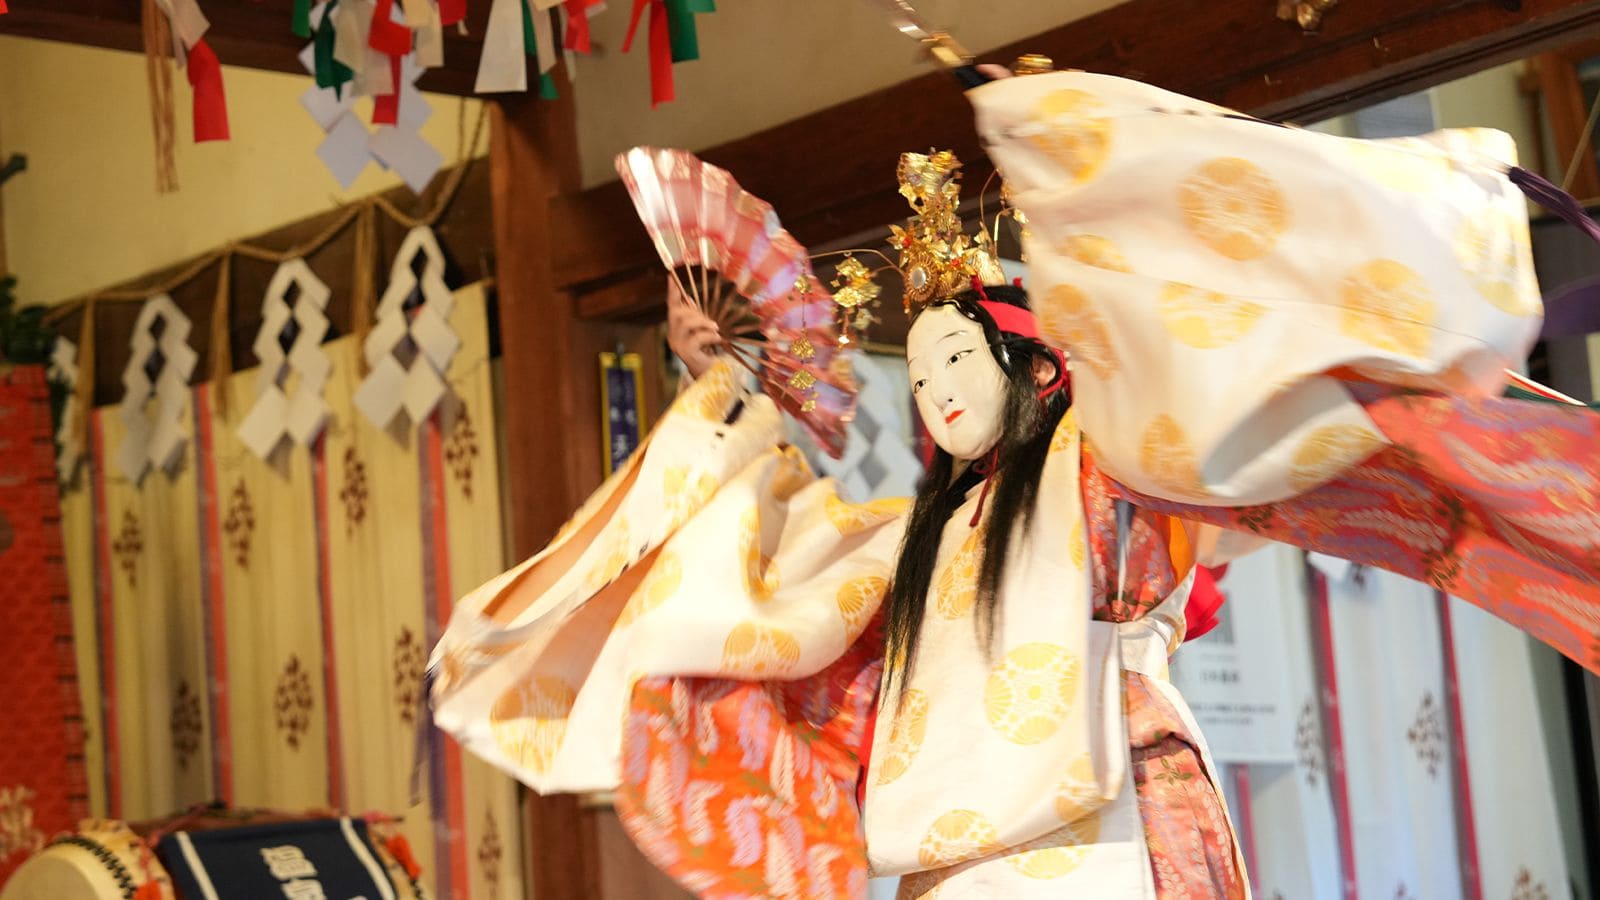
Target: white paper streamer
430,40
503,66
543,40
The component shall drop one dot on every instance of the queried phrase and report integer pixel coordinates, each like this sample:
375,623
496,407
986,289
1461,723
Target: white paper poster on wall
1236,677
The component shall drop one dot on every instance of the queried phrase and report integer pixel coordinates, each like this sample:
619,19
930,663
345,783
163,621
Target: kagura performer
1269,333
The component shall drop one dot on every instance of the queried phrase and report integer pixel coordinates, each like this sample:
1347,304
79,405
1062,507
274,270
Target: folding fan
733,260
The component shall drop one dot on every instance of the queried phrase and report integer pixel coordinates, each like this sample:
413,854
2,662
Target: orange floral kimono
702,638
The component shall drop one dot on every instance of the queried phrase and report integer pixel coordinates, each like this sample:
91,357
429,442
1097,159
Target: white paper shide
155,389
410,346
289,403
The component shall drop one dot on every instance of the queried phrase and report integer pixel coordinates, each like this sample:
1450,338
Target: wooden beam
255,34
827,178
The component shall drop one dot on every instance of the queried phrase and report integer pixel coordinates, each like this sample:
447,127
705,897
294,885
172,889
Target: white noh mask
959,387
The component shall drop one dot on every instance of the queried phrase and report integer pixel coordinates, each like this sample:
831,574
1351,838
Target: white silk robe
1209,276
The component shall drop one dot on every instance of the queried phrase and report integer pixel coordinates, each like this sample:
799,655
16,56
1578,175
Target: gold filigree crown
937,257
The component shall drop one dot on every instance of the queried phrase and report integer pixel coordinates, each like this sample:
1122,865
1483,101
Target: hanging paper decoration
502,65
69,443
344,32
210,104
289,404
158,372
411,344
673,38
189,25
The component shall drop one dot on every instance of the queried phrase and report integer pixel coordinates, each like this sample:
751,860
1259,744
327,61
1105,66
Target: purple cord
1547,195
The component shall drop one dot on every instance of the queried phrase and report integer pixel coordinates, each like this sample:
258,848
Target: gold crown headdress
938,259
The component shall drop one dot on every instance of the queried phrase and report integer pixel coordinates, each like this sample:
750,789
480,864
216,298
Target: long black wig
1014,468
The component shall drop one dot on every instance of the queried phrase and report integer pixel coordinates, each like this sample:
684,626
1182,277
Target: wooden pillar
552,430
552,455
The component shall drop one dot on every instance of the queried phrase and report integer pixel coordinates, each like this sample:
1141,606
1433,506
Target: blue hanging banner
622,396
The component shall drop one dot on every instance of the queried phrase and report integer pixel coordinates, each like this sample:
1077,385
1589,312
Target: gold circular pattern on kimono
858,599
1067,320
1094,250
1078,793
684,492
710,395
1058,852
1031,692
1232,206
1388,305
957,588
851,518
1206,319
1077,140
760,572
529,721
756,651
958,835
1168,459
664,579
1327,452
1078,544
1494,253
906,734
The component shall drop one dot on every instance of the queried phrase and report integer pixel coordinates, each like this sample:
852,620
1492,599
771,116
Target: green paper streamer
701,6
330,72
680,28
301,24
530,44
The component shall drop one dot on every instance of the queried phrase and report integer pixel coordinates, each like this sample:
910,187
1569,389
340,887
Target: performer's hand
690,333
994,72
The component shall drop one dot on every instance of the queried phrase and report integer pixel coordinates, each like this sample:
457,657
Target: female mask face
959,387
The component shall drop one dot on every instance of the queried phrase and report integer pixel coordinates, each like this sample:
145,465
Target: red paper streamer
386,35
661,90
577,37
452,11
210,103
3,9
1205,601
386,108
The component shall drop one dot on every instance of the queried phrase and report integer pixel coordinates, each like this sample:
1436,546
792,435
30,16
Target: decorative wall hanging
294,368
157,371
352,38
347,61
69,442
411,343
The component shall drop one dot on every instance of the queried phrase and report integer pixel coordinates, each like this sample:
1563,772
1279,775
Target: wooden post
533,156
551,422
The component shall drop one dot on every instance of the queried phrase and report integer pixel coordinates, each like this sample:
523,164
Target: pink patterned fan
733,260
